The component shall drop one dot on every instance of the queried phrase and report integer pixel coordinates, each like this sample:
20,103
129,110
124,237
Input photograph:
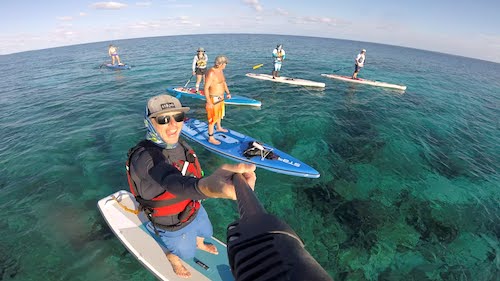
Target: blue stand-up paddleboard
191,92
117,66
117,209
241,148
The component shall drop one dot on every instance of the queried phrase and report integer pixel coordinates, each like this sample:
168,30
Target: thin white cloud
494,40
281,12
180,6
183,20
146,25
63,34
143,4
254,4
168,23
109,5
65,18
387,26
318,20
82,14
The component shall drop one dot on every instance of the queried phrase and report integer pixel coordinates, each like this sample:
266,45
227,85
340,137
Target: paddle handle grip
248,204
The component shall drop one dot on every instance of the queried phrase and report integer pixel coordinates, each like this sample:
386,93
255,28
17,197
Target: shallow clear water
409,184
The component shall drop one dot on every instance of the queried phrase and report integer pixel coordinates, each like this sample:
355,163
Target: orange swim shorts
216,113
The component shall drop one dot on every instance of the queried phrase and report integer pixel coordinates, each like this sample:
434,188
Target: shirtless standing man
215,86
113,53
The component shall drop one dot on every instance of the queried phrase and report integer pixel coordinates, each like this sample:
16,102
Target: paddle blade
257,66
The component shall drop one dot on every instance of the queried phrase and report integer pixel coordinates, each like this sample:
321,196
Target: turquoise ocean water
409,186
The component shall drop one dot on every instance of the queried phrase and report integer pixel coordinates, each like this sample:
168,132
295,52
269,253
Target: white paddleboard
288,80
145,247
364,81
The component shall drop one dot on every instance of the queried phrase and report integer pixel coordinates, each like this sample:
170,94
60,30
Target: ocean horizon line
257,34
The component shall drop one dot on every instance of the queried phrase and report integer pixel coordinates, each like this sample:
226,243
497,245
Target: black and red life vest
166,203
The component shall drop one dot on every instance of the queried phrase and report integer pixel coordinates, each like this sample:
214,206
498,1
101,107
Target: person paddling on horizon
113,53
278,56
166,178
200,61
215,86
359,63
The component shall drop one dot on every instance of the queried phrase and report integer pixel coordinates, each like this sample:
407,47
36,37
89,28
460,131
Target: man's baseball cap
163,104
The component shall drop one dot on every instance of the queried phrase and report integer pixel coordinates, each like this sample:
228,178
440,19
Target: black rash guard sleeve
153,179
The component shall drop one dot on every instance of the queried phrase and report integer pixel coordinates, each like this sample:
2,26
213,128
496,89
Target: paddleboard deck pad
241,148
288,80
191,92
116,66
364,81
150,250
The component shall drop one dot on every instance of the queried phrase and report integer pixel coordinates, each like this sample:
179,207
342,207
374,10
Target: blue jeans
182,242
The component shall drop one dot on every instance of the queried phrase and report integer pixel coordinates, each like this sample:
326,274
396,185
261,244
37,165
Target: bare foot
208,248
222,130
212,140
177,266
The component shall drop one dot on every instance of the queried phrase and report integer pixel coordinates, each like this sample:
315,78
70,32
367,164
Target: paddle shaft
103,64
248,204
189,80
340,69
281,252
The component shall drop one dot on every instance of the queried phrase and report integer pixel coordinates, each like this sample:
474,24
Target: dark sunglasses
165,119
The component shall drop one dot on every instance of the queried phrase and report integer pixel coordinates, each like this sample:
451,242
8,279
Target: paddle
340,69
257,66
281,251
103,64
189,80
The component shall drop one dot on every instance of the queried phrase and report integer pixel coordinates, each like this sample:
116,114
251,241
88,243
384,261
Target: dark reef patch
360,220
9,266
419,217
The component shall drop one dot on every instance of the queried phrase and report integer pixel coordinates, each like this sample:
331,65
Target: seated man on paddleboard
359,63
278,56
215,86
199,66
113,53
165,176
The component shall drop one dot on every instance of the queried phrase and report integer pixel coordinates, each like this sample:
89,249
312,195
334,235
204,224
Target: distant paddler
279,57
113,53
200,61
359,63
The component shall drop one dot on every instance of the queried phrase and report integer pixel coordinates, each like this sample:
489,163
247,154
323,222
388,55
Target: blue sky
470,29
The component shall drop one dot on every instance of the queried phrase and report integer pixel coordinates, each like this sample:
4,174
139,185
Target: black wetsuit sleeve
152,179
